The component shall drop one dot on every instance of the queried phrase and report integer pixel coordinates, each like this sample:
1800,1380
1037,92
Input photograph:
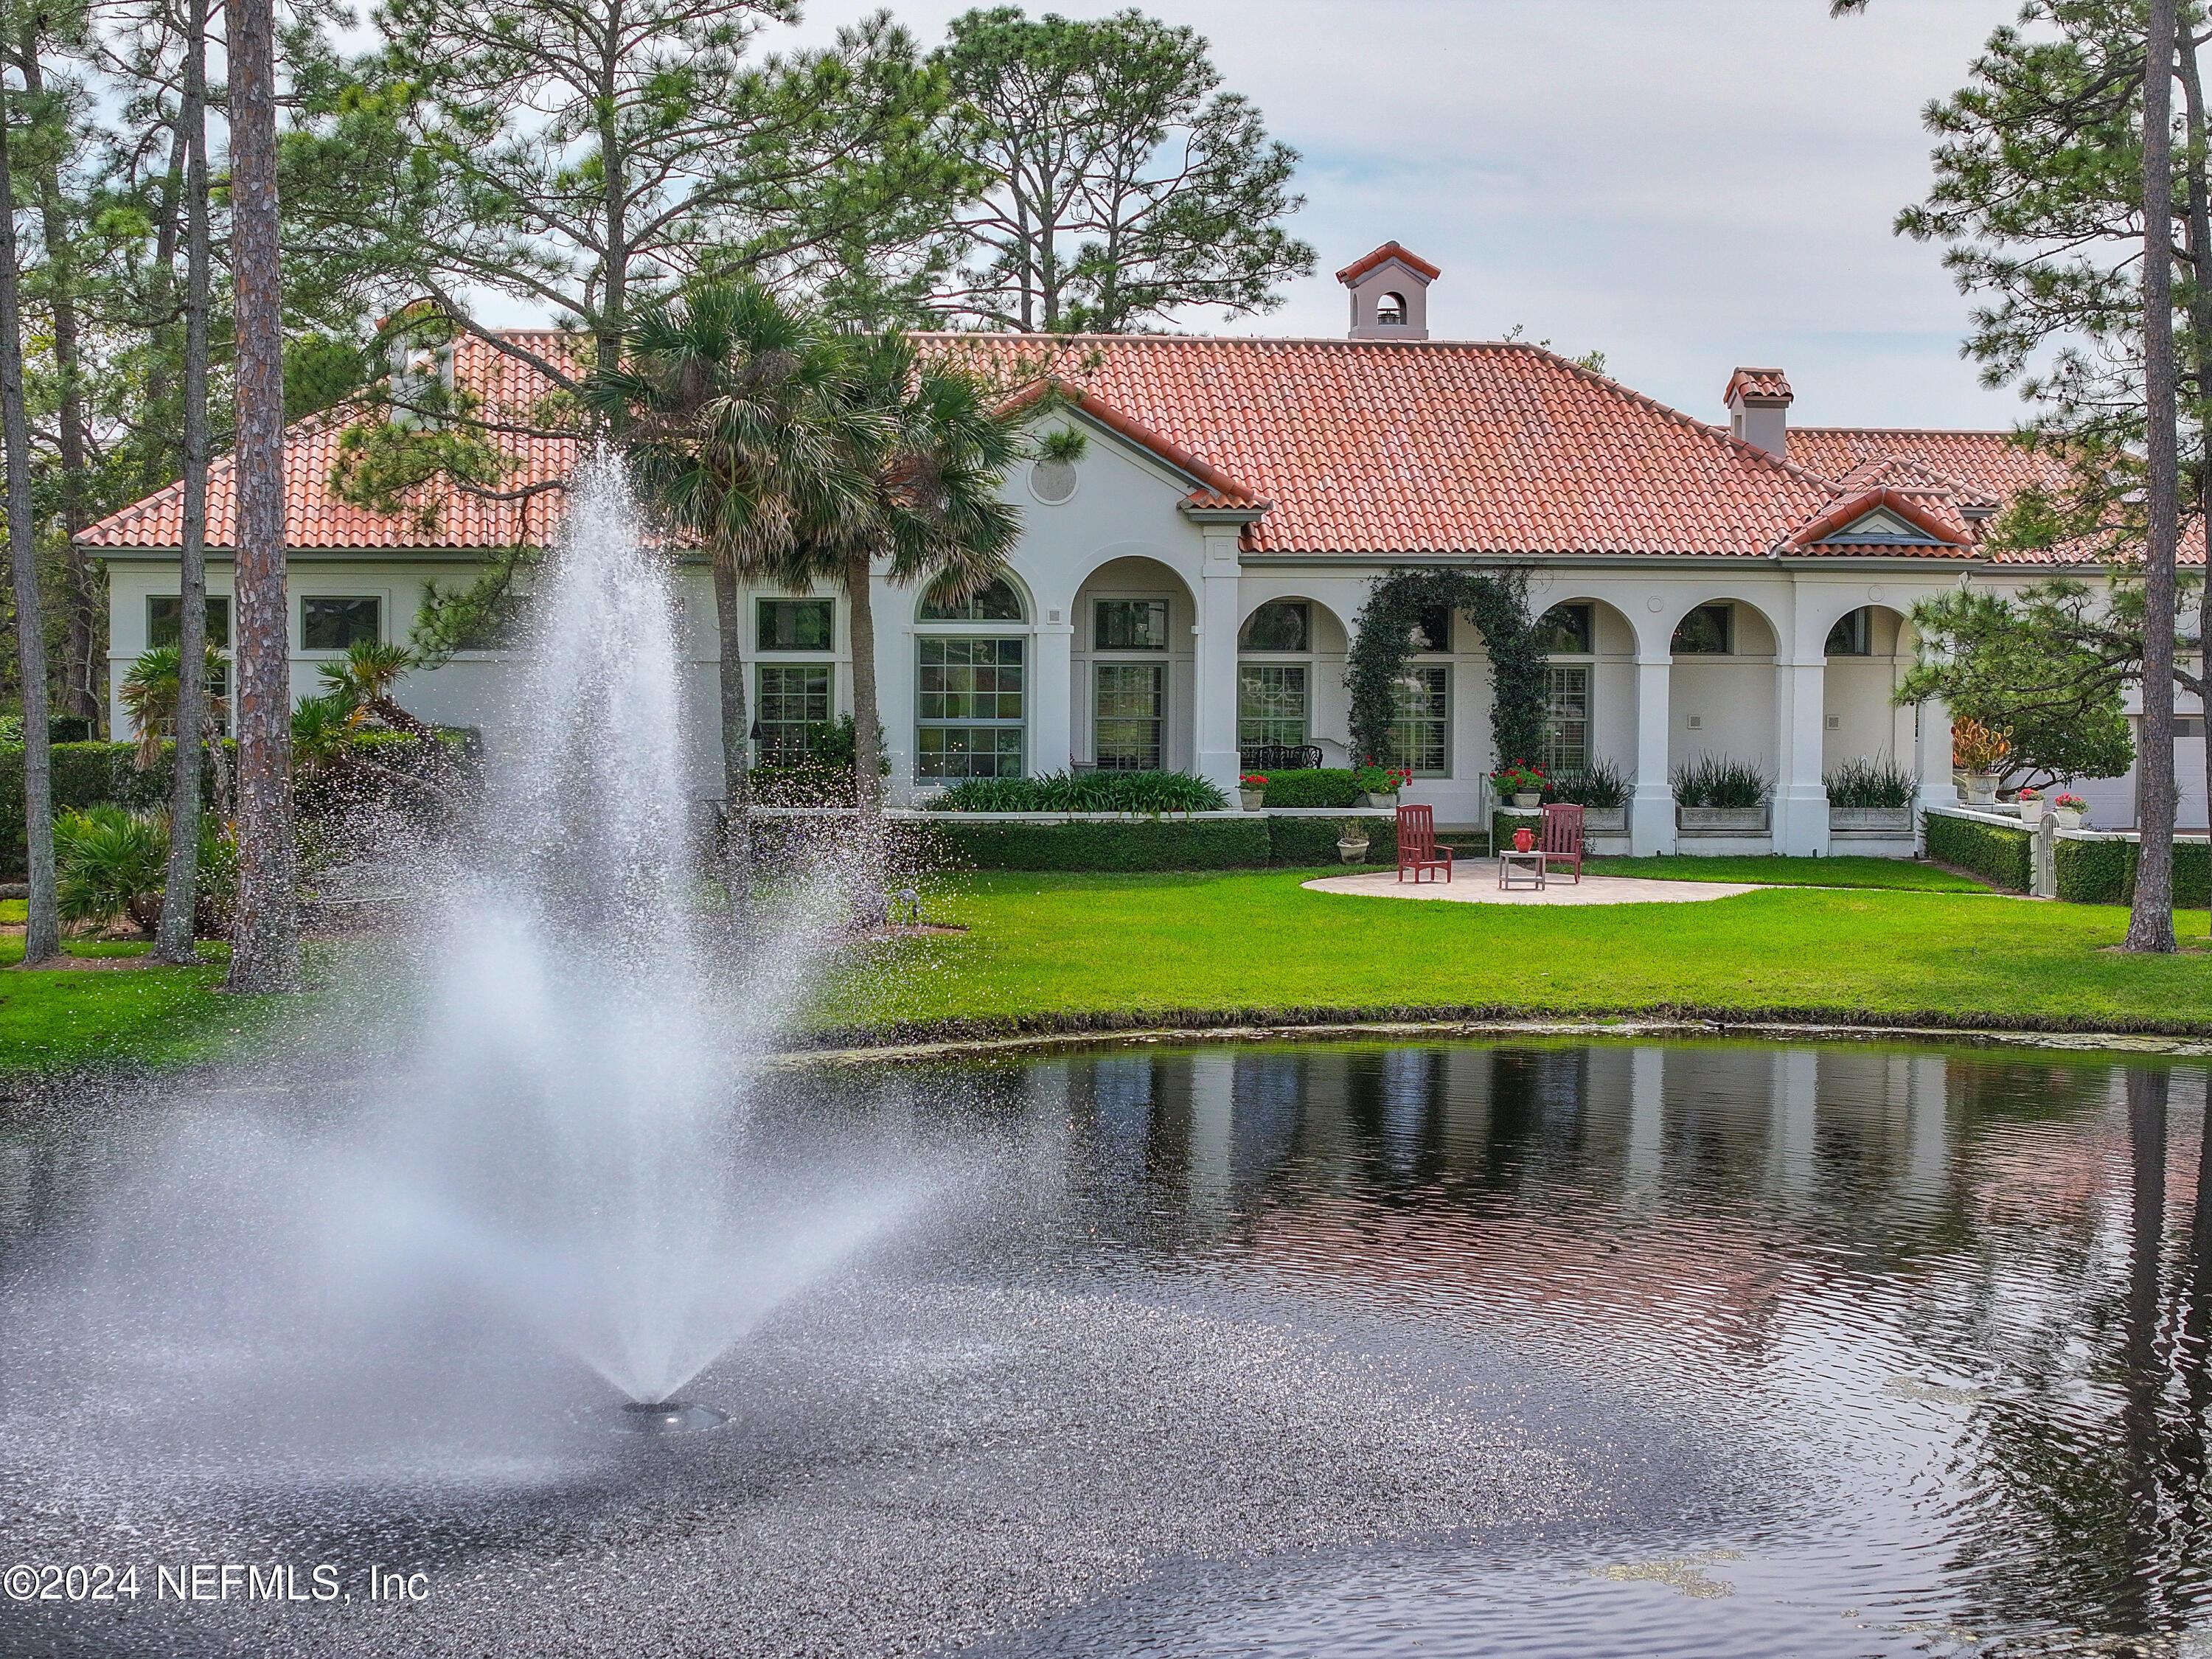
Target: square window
339,624
794,699
163,612
1132,625
1707,631
1567,631
795,624
1271,704
1131,699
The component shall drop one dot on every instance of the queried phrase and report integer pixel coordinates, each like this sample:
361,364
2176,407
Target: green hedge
85,775
2104,872
1327,786
1131,844
2003,858
1306,841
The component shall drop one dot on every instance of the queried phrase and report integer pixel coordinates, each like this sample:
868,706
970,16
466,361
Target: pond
1520,1347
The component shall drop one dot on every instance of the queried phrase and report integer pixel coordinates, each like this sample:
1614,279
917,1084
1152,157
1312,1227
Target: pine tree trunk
173,939
265,944
736,849
79,623
2200,330
42,934
867,725
2150,920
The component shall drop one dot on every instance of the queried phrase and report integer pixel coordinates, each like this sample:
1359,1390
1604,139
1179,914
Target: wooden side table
1518,869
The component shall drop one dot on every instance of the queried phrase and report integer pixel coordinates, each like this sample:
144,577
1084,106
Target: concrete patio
1476,882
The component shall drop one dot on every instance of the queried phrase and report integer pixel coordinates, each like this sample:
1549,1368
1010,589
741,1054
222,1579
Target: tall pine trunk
265,941
867,725
79,621
2150,920
173,939
2200,330
736,849
42,936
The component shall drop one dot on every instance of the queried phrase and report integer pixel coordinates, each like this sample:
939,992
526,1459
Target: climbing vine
1497,603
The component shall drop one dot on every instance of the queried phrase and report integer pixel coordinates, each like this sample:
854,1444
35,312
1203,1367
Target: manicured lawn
1846,872
1137,944
59,1019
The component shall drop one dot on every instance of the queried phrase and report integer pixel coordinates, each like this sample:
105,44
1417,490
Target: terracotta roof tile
1388,250
1765,385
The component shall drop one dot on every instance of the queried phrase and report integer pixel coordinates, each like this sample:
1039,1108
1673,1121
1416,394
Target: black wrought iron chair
1279,758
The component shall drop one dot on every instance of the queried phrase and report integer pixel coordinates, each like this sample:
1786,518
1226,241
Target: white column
1647,1123
895,680
1937,787
1052,695
1795,1110
1213,1129
1801,800
1215,716
1651,807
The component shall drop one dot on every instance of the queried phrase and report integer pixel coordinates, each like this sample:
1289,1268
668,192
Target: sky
1684,184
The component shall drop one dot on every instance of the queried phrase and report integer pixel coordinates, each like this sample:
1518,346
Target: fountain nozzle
659,1416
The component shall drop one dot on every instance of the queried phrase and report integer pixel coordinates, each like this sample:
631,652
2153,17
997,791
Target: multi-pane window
794,624
1271,703
794,699
997,602
1566,630
1707,631
1131,625
165,612
1130,716
1567,719
1278,625
969,709
1853,635
328,623
1420,728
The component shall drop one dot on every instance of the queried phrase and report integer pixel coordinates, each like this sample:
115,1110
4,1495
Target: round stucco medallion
1874,593
1052,480
1654,603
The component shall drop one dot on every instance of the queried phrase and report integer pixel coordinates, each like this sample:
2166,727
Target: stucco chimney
1758,408
1390,293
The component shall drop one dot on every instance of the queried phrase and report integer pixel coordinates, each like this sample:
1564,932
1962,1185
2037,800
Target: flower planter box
1722,820
1871,820
1605,820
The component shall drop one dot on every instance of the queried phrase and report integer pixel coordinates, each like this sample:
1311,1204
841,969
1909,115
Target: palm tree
735,418
364,680
152,693
932,449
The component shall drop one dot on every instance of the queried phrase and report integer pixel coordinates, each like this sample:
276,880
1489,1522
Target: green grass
57,1019
1073,945
1844,872
16,910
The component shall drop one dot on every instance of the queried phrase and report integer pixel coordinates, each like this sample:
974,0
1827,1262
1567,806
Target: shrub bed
2003,858
1084,792
2104,872
1324,786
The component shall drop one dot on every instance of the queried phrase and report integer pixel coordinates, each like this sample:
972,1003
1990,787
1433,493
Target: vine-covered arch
1497,603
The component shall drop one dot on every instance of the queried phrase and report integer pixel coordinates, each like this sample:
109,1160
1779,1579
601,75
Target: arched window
1390,311
1278,625
997,602
1853,634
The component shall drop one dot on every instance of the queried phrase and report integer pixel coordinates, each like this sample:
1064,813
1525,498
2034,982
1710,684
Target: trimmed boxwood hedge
1124,844
2003,858
85,775
1329,786
1307,841
2104,872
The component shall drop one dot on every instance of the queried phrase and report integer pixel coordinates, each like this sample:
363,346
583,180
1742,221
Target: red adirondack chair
1563,836
1417,844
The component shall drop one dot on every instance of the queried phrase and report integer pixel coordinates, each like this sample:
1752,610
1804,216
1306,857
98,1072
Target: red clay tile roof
316,519
1398,251
1391,447
1216,491
1758,385
1376,447
1928,511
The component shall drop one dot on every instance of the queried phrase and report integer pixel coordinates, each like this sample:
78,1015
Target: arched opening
1289,707
974,659
1721,704
1589,714
1390,311
1868,650
1135,688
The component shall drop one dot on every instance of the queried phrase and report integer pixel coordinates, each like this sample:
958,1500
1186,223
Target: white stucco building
1187,588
